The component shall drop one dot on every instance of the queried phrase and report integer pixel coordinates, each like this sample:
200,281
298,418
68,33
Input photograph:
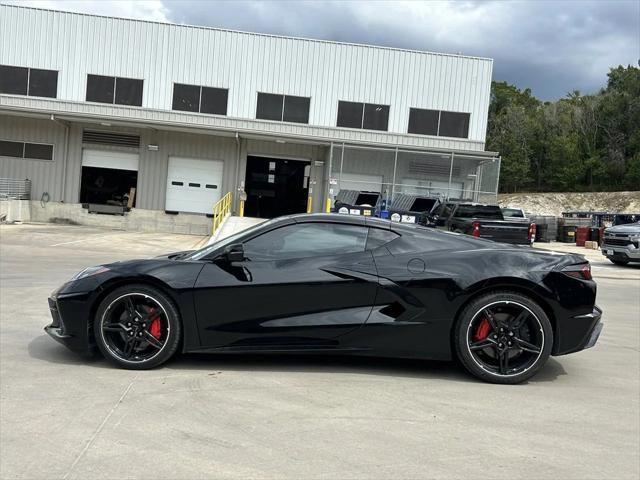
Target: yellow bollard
242,208
328,205
309,204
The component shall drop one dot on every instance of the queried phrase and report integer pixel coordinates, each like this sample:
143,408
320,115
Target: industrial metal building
100,110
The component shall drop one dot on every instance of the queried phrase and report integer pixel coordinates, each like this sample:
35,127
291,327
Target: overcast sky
552,46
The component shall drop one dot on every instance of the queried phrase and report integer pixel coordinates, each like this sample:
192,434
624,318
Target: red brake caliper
482,331
155,328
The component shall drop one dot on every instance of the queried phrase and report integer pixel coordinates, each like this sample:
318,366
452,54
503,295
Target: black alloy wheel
503,337
137,327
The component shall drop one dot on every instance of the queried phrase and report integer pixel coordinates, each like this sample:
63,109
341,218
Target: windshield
479,211
512,212
623,219
230,240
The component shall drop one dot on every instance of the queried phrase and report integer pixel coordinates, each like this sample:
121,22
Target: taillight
476,229
581,271
532,232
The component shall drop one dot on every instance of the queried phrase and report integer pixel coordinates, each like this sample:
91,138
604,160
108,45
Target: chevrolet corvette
337,284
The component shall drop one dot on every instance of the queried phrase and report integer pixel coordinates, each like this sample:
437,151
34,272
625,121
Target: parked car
621,243
515,214
483,221
337,284
408,208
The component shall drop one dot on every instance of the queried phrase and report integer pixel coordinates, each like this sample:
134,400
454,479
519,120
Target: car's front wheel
503,337
137,327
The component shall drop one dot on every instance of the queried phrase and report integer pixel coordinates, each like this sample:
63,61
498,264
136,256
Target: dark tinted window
214,100
307,240
186,97
376,117
38,151
13,80
350,114
128,91
512,212
479,211
423,122
378,237
269,106
43,83
454,124
296,109
100,88
11,149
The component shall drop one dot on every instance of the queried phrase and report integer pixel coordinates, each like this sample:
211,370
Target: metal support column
328,199
393,182
450,175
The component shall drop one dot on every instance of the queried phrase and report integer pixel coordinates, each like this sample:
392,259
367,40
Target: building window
194,98
439,123
34,151
423,122
368,116
454,124
34,82
283,108
115,90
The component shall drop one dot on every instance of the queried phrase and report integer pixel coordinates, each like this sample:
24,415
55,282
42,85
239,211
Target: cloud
551,46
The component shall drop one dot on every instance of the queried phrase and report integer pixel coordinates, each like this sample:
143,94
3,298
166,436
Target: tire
483,349
114,335
622,263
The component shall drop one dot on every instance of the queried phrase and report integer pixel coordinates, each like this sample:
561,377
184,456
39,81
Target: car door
301,284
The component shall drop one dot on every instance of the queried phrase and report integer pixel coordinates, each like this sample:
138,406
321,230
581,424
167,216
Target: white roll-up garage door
361,181
193,185
108,159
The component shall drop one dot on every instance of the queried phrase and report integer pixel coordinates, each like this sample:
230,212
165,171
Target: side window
378,237
307,240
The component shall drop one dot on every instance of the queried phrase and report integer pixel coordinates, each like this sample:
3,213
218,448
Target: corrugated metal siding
155,118
45,175
245,63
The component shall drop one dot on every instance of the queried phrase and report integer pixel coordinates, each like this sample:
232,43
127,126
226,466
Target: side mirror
234,253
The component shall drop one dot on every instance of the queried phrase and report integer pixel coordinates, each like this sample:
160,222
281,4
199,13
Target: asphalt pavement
209,416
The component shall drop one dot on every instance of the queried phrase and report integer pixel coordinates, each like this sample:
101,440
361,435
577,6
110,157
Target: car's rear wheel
137,327
620,262
503,337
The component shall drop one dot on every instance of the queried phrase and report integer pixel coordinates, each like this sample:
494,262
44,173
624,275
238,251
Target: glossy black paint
400,299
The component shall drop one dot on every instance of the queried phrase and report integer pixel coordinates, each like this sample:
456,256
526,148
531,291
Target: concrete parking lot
64,416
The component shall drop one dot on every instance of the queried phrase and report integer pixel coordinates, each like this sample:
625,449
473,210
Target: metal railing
13,189
221,209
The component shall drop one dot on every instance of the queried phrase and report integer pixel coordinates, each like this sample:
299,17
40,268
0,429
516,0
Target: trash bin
582,235
569,234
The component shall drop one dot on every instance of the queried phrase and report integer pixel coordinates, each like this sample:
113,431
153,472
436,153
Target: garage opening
276,186
109,178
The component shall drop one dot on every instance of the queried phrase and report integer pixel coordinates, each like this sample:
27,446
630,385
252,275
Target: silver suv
622,243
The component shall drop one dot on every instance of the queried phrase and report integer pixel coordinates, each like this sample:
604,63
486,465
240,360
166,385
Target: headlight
88,272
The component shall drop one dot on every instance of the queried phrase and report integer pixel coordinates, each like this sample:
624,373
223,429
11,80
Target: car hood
626,228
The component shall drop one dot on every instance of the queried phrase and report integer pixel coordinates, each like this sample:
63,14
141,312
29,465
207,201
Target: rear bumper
579,332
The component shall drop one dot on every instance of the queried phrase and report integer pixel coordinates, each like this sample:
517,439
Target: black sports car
338,284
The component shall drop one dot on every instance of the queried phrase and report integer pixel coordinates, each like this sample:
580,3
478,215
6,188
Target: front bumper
69,325
617,252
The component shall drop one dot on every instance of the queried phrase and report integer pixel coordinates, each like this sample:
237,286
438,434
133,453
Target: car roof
356,220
